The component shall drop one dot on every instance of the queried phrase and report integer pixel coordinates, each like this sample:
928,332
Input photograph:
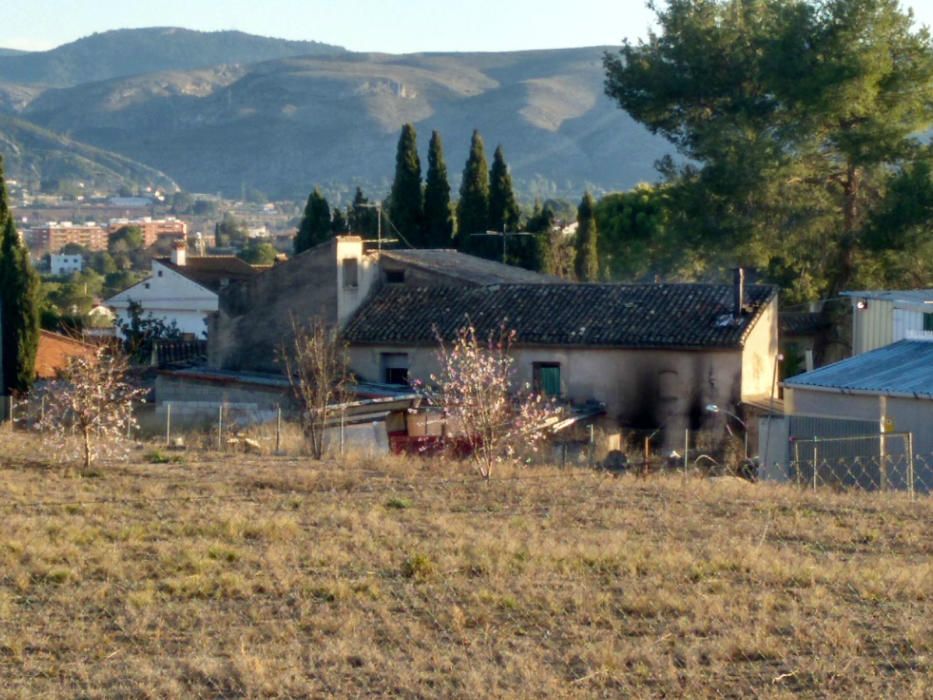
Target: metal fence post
686,452
168,424
220,428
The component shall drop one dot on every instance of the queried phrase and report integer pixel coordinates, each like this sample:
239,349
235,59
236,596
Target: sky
391,26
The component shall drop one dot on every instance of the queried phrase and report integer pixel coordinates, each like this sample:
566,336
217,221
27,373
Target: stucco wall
255,319
170,297
759,356
646,388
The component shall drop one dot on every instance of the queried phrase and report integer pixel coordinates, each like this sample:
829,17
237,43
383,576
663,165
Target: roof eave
846,391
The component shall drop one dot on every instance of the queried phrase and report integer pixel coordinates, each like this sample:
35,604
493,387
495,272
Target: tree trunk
87,449
833,315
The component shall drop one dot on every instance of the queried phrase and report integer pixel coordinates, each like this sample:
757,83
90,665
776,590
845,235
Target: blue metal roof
904,368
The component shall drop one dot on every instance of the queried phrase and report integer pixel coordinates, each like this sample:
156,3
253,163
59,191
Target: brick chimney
738,292
179,252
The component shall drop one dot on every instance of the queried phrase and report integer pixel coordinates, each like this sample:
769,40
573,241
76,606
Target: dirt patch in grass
276,577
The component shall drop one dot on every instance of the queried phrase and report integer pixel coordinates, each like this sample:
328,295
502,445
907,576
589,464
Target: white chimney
179,252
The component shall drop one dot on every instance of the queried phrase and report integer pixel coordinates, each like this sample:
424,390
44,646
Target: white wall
66,264
350,298
169,296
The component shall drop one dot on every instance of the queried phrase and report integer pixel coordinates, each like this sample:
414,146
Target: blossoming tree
476,390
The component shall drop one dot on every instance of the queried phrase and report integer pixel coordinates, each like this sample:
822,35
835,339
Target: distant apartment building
53,236
66,264
152,229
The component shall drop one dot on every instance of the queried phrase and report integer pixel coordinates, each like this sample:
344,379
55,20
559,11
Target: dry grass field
269,577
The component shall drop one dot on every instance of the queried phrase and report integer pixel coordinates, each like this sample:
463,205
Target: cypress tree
586,261
315,225
19,305
362,218
338,224
503,209
406,199
541,223
473,207
438,222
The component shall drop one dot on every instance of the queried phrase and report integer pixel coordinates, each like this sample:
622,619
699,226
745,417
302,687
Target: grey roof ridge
456,273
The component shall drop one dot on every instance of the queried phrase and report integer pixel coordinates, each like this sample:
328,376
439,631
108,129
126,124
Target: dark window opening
546,378
394,367
350,273
928,322
395,276
147,285
159,273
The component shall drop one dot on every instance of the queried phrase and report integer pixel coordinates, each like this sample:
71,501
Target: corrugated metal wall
834,452
873,326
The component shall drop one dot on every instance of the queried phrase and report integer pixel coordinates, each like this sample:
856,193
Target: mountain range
226,111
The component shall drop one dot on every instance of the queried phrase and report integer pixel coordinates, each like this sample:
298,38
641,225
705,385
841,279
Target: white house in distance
66,264
183,290
880,318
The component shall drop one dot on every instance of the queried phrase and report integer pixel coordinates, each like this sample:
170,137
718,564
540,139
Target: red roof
54,352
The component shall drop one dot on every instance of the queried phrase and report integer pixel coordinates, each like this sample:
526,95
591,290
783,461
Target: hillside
34,154
283,125
132,51
271,577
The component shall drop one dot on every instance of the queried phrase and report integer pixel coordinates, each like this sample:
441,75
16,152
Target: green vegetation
438,218
586,258
799,121
258,253
473,207
315,227
19,304
503,209
405,200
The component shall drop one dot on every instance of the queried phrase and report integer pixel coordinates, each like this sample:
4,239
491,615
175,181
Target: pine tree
19,305
406,200
503,209
315,225
586,261
438,222
473,207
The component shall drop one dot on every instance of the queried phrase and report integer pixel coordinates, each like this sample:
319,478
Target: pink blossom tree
91,400
475,389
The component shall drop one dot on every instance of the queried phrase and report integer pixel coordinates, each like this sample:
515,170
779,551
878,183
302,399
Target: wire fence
841,459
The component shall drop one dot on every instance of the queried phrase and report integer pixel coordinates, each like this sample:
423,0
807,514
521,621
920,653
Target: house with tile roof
183,290
653,354
331,281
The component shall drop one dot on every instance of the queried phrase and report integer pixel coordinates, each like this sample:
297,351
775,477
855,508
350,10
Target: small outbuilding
890,387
